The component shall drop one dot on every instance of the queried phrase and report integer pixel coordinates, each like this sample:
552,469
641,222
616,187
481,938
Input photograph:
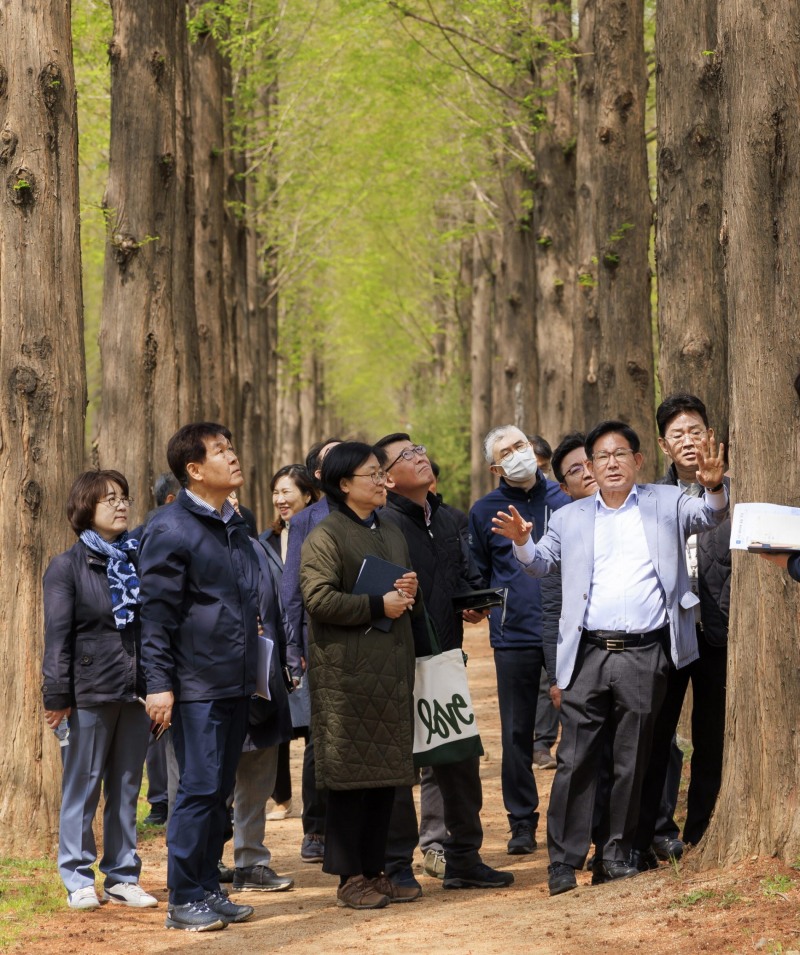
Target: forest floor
752,907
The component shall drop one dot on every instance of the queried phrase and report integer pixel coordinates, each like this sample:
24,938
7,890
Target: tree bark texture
758,47
514,372
210,92
43,395
483,302
148,336
614,346
554,218
692,310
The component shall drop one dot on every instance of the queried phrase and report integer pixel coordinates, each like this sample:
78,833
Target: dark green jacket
362,683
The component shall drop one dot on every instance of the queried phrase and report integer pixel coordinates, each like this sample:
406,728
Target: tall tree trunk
210,91
614,345
759,48
692,311
514,374
483,293
43,398
148,337
554,217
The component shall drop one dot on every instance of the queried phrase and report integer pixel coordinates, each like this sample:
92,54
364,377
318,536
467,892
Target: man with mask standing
515,636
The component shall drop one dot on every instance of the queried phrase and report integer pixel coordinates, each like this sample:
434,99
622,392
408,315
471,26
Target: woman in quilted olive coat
361,678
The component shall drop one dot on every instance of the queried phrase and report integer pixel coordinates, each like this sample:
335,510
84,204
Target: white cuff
717,500
525,552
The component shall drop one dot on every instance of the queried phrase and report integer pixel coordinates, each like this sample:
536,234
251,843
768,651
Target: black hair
541,448
391,438
611,427
570,442
677,404
301,479
187,446
435,468
342,461
88,489
165,484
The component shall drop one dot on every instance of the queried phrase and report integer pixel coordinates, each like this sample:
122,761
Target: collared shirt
226,513
625,593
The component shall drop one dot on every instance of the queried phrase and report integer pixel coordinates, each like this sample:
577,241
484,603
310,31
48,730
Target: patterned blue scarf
122,577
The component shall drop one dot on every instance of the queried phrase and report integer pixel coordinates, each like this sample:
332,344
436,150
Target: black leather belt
616,640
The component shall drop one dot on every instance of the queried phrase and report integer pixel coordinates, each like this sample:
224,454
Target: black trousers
314,800
518,683
616,693
462,800
356,825
283,779
708,675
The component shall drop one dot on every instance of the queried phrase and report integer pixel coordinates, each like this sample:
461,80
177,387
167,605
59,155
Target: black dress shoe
668,848
643,859
561,878
611,871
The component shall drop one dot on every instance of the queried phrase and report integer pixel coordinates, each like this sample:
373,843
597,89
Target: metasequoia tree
483,291
210,92
758,49
43,398
613,333
148,337
554,219
692,315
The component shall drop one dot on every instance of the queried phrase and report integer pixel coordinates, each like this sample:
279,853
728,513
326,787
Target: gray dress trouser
624,691
107,746
255,782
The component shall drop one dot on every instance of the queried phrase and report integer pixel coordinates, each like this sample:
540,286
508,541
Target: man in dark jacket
440,558
683,427
200,590
516,634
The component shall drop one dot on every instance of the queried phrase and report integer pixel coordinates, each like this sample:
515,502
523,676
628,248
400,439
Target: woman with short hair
92,685
361,678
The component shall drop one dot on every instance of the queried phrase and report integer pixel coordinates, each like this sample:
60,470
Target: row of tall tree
352,216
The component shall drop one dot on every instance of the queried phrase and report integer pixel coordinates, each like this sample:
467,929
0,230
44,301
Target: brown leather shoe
394,892
360,893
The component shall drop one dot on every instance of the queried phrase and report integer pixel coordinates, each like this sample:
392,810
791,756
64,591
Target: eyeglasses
695,435
378,477
408,454
114,502
514,449
621,455
576,469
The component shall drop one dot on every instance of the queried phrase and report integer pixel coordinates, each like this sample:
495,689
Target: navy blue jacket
302,524
200,604
493,555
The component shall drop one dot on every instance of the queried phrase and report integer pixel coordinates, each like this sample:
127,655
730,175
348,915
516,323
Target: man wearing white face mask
516,635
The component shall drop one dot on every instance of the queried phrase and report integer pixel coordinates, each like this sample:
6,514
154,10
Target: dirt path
750,909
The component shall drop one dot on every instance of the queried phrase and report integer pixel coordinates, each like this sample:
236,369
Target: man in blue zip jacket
516,636
200,583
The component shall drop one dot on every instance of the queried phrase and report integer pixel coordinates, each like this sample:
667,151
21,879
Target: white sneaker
85,898
280,810
129,893
433,863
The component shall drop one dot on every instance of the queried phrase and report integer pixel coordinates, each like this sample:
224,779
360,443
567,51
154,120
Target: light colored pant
107,745
255,782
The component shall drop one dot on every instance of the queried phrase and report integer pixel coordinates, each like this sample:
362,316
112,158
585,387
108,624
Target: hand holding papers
765,528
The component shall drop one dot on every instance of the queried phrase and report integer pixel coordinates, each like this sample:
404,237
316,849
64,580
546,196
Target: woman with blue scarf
92,684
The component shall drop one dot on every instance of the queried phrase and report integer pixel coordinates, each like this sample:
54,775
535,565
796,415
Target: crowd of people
197,646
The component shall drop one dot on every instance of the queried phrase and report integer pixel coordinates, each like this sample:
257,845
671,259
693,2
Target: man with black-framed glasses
451,797
627,610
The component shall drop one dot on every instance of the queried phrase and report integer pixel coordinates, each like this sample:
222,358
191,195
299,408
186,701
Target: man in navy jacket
200,617
516,635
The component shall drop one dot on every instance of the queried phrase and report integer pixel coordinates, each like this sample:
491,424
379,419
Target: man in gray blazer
627,603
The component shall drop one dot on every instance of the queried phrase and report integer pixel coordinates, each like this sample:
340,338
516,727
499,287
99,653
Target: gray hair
493,437
165,484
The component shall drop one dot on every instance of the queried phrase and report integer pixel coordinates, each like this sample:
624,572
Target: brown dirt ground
674,911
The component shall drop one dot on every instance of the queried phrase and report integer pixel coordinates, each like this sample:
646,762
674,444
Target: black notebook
480,599
377,578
